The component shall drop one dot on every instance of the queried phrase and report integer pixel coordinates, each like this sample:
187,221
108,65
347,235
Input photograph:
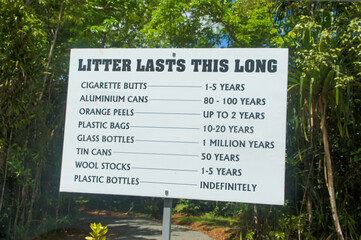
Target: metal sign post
167,218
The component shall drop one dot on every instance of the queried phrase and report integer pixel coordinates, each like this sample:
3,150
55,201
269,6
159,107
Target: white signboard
203,124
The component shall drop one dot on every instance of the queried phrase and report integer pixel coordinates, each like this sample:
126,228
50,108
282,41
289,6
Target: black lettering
140,67
238,68
207,65
97,62
196,63
223,65
215,65
116,67
170,63
249,65
126,65
107,62
160,65
150,66
272,66
81,67
89,65
181,65
260,65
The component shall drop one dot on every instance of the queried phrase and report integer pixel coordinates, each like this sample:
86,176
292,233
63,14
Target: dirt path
129,227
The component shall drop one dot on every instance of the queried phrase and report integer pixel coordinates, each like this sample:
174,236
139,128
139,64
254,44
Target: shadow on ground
129,227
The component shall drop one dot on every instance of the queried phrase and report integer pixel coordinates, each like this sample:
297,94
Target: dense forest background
323,164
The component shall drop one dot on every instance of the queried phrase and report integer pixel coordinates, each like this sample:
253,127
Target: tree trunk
17,213
6,169
52,46
39,169
328,170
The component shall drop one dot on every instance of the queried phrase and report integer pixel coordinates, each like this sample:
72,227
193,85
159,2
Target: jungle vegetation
323,164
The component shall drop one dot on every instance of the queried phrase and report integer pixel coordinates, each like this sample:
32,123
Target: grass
217,227
210,220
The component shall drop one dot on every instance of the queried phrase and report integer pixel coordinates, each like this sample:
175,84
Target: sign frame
206,124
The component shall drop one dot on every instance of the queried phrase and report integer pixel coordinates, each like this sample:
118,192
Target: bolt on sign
206,124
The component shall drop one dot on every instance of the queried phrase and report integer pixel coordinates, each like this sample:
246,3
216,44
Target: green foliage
277,235
322,82
98,232
249,236
187,206
153,207
209,220
179,24
194,207
324,39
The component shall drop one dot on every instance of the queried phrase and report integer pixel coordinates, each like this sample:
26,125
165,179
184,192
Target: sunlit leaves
179,24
